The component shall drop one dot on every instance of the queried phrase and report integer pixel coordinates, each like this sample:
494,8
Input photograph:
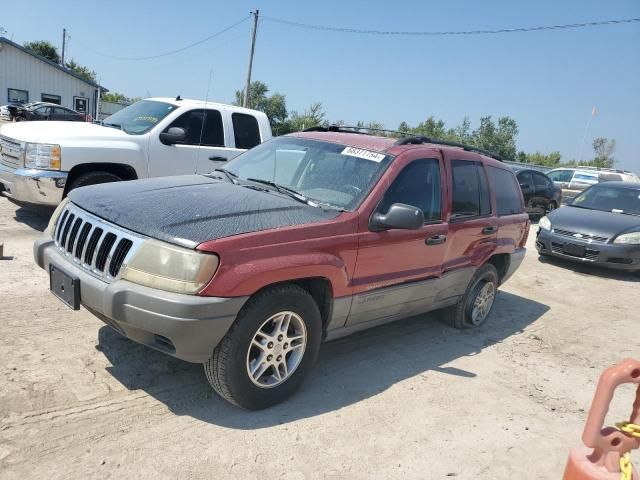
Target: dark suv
305,238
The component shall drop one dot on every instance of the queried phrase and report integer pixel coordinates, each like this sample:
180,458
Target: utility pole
64,44
245,100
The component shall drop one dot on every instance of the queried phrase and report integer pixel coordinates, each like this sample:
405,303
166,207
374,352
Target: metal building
27,77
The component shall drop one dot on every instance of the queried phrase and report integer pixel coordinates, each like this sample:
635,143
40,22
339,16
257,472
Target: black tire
460,315
226,370
93,178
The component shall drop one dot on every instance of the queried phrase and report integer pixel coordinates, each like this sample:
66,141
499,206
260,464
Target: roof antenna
178,98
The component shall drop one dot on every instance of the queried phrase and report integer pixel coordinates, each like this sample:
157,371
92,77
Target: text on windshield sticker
361,153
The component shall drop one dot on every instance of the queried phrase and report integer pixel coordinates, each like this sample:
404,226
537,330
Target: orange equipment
605,453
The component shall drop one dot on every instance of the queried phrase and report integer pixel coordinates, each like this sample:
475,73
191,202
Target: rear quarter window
245,130
508,194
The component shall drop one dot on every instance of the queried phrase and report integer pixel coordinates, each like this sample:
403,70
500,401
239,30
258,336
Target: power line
172,52
451,33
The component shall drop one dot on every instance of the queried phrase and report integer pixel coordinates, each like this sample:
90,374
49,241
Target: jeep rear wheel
269,350
476,303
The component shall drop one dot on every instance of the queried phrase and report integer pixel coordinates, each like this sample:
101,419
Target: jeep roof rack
351,129
404,140
419,139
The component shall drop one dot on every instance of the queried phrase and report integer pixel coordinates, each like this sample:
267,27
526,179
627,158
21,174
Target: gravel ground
413,399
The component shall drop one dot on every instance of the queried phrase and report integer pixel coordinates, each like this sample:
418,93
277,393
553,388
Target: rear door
472,224
396,269
544,190
528,189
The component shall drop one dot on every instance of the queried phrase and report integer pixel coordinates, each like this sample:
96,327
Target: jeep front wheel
269,350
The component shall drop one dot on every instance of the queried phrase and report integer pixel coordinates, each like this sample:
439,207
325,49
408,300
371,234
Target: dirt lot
414,399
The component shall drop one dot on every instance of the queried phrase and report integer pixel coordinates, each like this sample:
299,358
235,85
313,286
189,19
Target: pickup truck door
241,132
199,152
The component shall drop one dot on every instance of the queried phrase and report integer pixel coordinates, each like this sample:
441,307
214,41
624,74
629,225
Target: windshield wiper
112,125
231,176
282,189
582,206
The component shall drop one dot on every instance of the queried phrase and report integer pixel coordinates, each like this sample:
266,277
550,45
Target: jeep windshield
329,174
140,117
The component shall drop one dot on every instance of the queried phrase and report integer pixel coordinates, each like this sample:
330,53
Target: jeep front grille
98,247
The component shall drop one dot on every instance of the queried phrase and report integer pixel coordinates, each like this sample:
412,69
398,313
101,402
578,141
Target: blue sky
548,81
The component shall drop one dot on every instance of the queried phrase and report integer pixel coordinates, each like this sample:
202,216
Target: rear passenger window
508,194
471,197
246,131
417,185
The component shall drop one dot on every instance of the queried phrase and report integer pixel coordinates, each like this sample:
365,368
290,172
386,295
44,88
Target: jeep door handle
489,230
436,240
218,159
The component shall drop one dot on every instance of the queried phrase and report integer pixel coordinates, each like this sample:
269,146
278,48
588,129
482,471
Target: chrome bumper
30,185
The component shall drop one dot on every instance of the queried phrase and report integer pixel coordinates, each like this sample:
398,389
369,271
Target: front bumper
30,185
184,326
619,257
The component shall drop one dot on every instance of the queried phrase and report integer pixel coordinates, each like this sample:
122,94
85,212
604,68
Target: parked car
39,111
41,162
600,226
541,195
572,181
305,238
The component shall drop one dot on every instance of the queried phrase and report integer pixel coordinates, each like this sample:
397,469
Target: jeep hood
59,132
191,209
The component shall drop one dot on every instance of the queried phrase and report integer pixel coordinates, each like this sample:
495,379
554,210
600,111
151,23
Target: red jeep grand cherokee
305,238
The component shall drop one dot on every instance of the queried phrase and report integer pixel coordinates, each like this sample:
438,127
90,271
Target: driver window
417,185
210,134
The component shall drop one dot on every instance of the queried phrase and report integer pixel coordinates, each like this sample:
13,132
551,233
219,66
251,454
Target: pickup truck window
140,117
211,134
417,185
246,131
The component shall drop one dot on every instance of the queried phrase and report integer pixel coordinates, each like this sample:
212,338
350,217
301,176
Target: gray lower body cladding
609,255
184,326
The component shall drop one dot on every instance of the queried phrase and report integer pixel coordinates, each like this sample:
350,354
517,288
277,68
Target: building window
47,97
17,96
81,104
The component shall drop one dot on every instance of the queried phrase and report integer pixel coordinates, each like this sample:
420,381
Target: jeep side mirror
173,135
400,216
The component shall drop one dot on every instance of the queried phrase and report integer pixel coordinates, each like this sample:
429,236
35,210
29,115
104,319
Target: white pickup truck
40,162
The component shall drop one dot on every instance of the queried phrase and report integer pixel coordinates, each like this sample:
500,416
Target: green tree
500,138
274,106
538,158
81,70
116,97
312,117
604,150
44,49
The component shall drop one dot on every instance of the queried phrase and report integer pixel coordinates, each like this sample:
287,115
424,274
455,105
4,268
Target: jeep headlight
42,155
56,215
544,223
167,267
632,238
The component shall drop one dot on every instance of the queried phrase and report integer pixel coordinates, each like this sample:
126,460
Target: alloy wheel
276,349
483,303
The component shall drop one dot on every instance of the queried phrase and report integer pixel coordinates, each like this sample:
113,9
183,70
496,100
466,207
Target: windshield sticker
361,153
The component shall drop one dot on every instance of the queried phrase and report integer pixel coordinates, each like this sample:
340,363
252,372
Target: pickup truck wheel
474,307
93,178
269,350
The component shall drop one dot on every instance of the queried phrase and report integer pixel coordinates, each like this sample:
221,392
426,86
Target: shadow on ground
349,370
591,270
35,217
